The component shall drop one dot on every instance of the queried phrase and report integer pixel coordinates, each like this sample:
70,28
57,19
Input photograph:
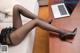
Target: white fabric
26,45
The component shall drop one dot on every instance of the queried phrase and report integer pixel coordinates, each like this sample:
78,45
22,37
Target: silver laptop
60,10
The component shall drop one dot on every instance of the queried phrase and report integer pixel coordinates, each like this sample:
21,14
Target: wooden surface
41,44
68,23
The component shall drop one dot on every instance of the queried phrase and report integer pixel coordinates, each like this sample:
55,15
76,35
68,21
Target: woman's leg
17,10
17,23
18,35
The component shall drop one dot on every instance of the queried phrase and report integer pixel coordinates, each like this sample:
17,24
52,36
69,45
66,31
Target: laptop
60,10
63,9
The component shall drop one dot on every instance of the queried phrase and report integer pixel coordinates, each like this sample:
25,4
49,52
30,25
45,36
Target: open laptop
63,9
60,10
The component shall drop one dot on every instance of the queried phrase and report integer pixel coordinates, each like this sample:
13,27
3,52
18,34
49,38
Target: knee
16,7
36,21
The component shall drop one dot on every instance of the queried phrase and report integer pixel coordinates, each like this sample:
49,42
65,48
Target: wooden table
68,23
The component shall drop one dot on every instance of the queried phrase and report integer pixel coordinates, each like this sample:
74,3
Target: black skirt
5,34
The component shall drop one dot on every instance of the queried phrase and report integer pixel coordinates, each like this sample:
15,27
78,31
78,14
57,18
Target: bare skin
22,30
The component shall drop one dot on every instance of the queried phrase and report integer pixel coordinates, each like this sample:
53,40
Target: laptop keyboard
62,9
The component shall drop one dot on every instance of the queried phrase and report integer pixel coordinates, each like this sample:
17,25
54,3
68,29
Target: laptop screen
62,10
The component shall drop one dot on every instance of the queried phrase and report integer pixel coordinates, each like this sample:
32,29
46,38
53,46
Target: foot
68,35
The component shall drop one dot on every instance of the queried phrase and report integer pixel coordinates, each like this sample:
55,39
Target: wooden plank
41,44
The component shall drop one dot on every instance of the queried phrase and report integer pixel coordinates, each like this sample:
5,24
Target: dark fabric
70,1
71,4
5,33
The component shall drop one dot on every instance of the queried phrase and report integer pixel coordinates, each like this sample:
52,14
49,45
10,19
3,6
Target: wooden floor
41,44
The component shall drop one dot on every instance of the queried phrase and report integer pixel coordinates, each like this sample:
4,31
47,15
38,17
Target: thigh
19,34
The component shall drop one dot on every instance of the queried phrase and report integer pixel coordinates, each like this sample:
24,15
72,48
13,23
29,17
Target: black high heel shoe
68,35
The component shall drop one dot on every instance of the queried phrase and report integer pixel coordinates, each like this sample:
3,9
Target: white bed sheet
26,46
